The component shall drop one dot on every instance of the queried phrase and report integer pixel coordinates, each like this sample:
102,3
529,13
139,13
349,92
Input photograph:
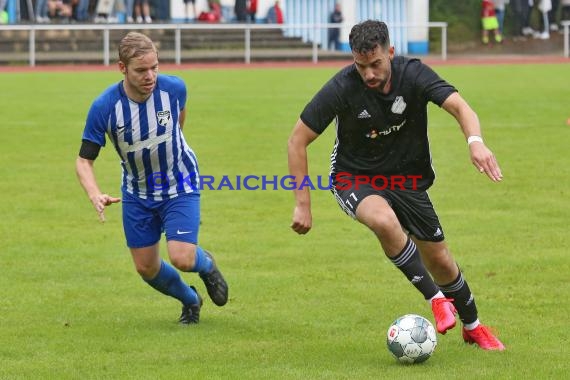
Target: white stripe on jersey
337,196
121,121
169,128
137,156
335,147
153,145
192,157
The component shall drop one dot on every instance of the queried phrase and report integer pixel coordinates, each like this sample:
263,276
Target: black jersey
380,134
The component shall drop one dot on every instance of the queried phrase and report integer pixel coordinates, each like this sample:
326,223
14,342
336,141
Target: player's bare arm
481,156
300,138
86,176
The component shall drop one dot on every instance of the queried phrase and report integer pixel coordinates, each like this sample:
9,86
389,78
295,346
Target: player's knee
184,261
182,255
146,271
383,224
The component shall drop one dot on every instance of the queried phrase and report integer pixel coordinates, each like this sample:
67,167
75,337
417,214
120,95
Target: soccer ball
411,339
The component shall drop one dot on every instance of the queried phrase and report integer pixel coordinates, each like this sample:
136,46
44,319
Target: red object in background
278,14
253,6
214,15
487,8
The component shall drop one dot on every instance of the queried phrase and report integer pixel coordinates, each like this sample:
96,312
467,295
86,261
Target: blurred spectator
552,16
160,10
240,10
3,13
214,13
543,6
60,9
22,10
521,10
275,14
130,11
565,10
489,22
334,33
108,11
41,11
500,6
142,11
187,5
80,10
252,10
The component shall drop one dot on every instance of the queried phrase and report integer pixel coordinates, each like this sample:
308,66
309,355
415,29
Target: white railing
246,28
566,26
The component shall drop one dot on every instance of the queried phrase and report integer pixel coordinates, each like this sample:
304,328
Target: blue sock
169,282
203,263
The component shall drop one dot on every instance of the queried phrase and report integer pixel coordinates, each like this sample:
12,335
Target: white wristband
472,139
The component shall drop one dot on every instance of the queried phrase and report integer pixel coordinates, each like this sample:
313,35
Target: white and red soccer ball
411,339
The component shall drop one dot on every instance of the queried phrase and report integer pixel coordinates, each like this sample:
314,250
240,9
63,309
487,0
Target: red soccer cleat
444,314
483,337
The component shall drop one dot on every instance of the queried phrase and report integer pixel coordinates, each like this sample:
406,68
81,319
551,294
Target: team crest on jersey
399,105
163,117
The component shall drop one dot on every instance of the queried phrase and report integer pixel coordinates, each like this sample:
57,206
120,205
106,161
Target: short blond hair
135,45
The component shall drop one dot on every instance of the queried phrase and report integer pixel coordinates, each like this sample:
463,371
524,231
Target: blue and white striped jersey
157,162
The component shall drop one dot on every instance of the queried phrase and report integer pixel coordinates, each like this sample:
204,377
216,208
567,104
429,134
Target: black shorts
412,207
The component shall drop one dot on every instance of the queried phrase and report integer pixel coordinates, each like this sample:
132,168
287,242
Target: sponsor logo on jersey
375,134
363,115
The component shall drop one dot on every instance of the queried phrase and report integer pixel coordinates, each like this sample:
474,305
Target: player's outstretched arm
86,176
481,156
300,138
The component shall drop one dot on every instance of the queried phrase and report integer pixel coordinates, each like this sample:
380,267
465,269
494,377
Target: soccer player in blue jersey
381,167
143,116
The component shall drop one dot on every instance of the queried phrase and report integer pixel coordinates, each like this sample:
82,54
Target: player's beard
380,84
377,84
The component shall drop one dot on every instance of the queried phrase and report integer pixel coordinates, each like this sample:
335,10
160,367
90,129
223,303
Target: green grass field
301,307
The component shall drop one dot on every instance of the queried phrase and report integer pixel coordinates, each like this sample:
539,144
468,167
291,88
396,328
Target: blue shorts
145,220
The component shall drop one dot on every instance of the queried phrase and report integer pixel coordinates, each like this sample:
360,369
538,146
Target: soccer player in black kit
381,167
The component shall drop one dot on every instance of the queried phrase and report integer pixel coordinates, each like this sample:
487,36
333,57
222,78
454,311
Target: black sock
463,298
410,263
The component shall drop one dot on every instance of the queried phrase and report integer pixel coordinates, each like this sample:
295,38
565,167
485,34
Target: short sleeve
323,108
181,92
97,122
176,87
432,87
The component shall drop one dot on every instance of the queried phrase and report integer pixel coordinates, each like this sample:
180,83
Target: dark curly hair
367,35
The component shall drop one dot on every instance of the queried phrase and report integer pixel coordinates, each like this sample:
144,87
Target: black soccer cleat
215,284
191,313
